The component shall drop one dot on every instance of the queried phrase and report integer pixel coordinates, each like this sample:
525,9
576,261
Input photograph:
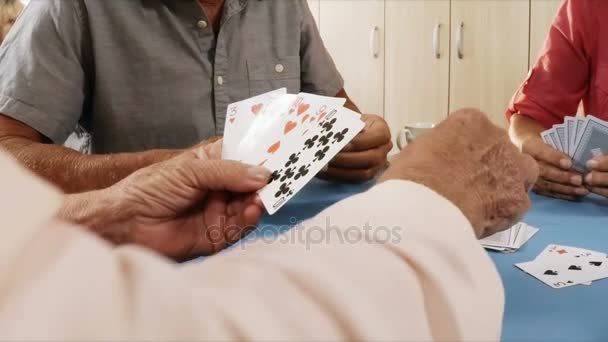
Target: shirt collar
26,204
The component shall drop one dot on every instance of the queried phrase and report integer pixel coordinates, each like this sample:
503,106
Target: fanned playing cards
580,138
511,239
294,136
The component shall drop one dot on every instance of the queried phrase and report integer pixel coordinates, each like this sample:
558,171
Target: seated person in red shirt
572,67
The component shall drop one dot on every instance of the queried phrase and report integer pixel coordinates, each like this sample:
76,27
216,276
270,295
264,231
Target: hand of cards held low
581,139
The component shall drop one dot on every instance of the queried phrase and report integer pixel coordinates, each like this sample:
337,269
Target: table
533,311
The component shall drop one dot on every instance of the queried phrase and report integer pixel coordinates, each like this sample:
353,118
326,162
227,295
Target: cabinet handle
436,42
459,41
374,41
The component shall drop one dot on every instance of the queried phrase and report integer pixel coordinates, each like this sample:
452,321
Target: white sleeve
429,279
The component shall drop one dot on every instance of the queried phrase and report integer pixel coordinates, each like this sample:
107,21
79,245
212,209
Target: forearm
523,128
74,172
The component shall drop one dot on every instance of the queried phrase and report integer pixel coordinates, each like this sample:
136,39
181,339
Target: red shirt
573,66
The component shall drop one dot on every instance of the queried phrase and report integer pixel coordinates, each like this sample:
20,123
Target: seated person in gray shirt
149,78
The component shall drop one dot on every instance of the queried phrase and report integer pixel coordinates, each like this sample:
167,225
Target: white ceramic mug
412,131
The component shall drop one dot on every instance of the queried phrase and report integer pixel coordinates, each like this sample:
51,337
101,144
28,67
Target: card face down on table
294,136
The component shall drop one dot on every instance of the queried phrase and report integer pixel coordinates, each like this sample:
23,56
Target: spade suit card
563,266
316,147
239,117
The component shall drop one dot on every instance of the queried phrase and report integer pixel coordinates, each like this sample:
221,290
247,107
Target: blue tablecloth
533,311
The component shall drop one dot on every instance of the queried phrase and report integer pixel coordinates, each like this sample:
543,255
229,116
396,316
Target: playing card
546,136
560,130
511,239
314,149
555,139
239,117
563,266
580,125
593,143
570,123
284,119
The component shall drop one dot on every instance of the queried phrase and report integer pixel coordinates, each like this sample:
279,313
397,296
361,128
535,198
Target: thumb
228,175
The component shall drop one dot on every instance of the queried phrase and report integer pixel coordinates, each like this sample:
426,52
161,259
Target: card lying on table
581,139
511,239
294,136
564,266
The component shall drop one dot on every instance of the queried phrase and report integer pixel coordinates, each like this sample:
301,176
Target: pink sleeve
560,77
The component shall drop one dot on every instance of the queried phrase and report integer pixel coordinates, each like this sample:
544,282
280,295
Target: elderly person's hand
597,178
556,177
185,207
472,163
364,156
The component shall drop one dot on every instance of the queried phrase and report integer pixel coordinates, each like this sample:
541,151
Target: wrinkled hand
597,180
472,163
556,179
364,156
189,206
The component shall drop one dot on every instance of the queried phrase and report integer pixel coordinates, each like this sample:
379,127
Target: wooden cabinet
353,31
489,54
417,62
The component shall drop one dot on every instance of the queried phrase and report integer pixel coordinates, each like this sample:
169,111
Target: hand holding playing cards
556,179
597,179
365,155
473,164
187,206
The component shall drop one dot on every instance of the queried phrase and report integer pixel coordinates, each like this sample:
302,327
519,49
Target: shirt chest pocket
265,75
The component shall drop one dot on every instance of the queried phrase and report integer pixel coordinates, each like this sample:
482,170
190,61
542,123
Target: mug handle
404,135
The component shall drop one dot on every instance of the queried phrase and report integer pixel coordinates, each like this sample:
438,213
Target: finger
558,196
362,159
599,190
373,135
214,150
349,175
530,170
543,152
598,164
597,179
557,175
224,175
561,189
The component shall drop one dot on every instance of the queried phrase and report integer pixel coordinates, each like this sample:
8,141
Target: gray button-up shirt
143,74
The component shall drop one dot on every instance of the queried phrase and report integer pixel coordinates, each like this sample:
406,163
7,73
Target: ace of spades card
307,155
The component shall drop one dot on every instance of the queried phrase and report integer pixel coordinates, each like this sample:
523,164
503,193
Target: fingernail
589,178
565,163
581,191
592,164
259,173
576,180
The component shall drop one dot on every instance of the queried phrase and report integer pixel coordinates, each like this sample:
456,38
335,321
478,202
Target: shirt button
220,80
202,24
279,68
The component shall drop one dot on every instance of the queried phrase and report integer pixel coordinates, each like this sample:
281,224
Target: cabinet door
417,62
490,44
353,31
314,8
541,17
